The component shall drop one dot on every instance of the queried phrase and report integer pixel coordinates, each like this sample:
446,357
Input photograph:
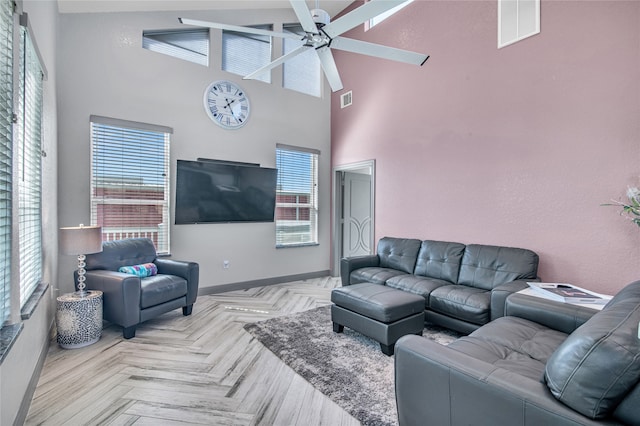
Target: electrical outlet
226,264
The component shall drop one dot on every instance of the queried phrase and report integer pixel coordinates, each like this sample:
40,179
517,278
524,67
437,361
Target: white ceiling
333,7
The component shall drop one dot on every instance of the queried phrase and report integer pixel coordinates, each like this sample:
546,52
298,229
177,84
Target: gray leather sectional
464,286
544,363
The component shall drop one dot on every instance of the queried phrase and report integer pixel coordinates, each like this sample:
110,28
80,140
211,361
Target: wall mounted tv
211,191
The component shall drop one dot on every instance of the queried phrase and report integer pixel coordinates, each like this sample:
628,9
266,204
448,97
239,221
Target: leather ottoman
382,313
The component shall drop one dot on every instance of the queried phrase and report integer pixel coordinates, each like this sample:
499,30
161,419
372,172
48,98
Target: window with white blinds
6,110
301,73
189,45
244,53
296,196
28,177
130,180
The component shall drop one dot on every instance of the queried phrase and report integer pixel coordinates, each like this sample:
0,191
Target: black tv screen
218,191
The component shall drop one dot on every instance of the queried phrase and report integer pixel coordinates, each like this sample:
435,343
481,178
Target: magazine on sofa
567,293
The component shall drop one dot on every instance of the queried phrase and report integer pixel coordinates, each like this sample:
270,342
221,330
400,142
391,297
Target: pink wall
517,146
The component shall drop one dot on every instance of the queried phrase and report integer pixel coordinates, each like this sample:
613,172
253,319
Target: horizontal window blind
189,45
244,53
130,180
301,73
6,111
296,196
29,173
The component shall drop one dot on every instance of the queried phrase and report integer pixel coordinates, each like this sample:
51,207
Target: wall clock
226,104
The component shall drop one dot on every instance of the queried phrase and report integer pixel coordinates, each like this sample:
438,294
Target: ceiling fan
323,35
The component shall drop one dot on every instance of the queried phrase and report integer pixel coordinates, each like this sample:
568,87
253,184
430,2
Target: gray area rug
349,368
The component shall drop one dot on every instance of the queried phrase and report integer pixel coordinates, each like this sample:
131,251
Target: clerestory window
243,53
186,44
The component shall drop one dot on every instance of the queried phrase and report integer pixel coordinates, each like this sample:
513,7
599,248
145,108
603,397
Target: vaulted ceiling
333,7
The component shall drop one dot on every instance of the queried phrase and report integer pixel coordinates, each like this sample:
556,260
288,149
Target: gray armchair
129,300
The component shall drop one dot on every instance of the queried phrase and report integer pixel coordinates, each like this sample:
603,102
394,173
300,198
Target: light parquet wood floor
200,369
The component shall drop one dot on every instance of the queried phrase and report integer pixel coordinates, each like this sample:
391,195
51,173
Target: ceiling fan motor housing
320,17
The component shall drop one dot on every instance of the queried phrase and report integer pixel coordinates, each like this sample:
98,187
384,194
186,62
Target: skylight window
189,45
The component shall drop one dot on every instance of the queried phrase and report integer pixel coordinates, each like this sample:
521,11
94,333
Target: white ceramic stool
79,319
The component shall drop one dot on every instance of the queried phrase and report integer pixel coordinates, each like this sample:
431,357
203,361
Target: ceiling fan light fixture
320,17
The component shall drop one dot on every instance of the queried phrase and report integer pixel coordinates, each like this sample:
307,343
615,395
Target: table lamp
79,241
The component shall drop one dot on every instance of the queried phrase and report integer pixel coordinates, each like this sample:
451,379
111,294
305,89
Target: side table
79,319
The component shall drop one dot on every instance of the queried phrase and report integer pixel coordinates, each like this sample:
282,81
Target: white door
357,215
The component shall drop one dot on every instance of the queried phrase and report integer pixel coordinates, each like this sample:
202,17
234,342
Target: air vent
346,99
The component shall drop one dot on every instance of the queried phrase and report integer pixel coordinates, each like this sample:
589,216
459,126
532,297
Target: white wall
17,370
104,71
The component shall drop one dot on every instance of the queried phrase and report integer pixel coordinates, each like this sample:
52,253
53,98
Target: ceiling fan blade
329,68
304,16
279,61
378,50
238,28
369,10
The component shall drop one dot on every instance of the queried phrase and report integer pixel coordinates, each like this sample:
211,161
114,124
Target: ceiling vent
346,99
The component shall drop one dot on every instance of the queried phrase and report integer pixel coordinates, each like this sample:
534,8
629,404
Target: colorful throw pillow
143,270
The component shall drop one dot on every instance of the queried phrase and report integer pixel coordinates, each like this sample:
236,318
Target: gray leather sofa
464,286
545,363
128,299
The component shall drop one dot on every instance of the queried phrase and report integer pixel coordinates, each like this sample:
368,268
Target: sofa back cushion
398,253
488,266
439,259
131,251
599,363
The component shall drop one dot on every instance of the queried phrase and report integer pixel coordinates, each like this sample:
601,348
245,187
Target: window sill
9,333
298,245
34,300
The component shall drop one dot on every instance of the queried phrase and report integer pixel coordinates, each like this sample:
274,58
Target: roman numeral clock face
226,104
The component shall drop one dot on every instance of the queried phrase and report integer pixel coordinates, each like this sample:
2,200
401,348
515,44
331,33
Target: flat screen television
221,192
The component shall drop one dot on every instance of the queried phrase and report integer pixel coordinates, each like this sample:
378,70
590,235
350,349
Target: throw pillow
599,363
143,270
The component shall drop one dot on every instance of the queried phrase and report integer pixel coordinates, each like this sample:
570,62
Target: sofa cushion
464,303
422,286
512,343
439,259
161,288
488,266
114,254
398,253
373,274
599,363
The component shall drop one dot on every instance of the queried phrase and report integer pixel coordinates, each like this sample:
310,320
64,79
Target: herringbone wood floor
201,369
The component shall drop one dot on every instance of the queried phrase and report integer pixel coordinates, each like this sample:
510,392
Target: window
296,196
130,180
517,20
28,149
244,53
376,20
190,45
6,110
301,73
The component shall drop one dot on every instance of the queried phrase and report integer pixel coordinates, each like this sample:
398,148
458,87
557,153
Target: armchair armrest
190,271
500,293
563,317
436,385
120,293
350,264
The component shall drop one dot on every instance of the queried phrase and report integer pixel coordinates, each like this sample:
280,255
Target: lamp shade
81,240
